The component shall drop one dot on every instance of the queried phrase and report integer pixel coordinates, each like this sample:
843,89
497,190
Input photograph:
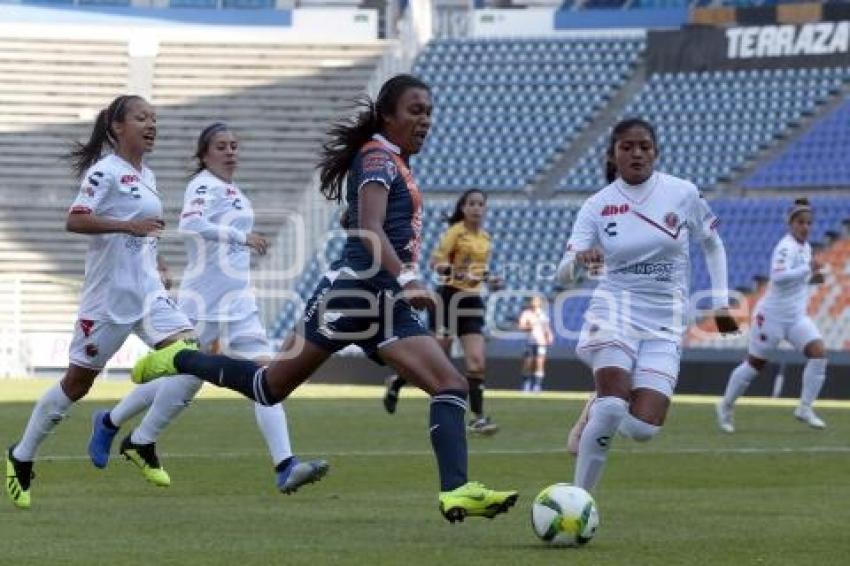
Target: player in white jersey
781,315
215,293
535,321
119,207
634,235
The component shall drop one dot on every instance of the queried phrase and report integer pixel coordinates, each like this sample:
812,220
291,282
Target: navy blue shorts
344,310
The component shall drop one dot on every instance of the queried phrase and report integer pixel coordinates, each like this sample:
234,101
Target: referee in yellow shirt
461,261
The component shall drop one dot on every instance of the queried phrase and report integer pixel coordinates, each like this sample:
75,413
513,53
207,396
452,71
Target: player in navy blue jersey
371,299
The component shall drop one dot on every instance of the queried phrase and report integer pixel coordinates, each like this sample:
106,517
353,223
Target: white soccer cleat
574,438
724,418
808,416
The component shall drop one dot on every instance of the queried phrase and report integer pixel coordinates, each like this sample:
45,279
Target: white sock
636,429
47,413
272,423
814,374
739,380
174,395
139,399
604,419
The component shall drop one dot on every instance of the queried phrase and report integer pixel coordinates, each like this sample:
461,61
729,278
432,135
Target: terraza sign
823,38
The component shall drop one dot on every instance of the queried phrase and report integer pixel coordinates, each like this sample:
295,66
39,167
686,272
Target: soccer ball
564,515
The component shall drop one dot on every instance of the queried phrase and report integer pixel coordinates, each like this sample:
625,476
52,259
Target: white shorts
95,342
652,364
766,333
244,338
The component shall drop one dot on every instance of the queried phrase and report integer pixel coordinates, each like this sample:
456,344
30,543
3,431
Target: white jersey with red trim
643,232
216,220
787,294
121,281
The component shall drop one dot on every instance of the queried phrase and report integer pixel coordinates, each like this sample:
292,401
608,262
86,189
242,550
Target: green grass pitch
774,493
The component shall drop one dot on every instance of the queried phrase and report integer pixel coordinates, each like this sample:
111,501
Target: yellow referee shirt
466,252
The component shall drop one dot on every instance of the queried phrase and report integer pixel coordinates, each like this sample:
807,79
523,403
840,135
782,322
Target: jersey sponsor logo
822,38
614,209
129,179
94,178
661,271
86,326
671,220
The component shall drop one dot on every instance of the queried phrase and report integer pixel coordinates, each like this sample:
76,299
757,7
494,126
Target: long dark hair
84,155
619,128
346,137
457,215
203,144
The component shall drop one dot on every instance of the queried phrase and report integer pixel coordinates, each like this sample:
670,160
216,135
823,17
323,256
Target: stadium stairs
279,98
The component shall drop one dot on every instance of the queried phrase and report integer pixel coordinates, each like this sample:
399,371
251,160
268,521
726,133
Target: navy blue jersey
379,161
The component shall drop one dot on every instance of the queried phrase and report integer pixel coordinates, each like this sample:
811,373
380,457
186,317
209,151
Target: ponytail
84,155
346,137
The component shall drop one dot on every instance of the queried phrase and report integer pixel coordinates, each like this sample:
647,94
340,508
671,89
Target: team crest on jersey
86,326
671,220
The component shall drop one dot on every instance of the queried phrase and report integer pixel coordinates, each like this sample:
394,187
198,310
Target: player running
371,299
119,207
215,294
781,315
633,234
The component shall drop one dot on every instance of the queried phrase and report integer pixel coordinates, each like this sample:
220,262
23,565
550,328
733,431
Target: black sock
397,384
476,394
107,422
283,464
243,376
448,437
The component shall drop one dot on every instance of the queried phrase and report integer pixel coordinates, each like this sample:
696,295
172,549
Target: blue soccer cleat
100,441
297,474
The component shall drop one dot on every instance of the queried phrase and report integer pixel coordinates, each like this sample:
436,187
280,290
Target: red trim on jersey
674,235
415,243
